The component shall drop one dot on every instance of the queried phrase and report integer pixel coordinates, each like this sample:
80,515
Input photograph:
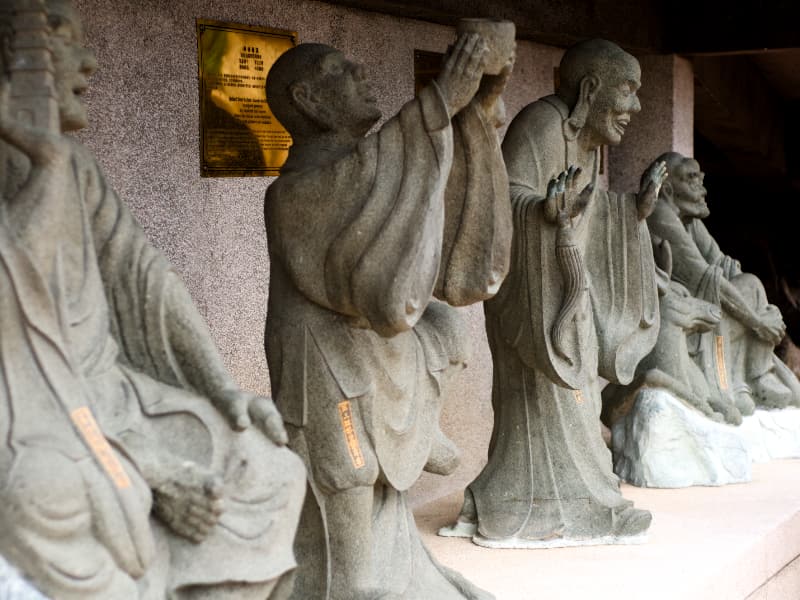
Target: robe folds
359,248
87,330
549,473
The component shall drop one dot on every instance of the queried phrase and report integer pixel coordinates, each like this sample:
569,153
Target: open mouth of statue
79,89
620,124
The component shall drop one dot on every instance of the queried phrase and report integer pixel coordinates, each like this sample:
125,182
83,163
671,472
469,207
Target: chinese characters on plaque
239,136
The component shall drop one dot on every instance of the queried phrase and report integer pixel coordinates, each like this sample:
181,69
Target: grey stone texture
580,302
146,95
714,354
132,465
370,240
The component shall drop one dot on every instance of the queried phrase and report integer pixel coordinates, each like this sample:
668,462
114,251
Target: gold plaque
239,136
350,435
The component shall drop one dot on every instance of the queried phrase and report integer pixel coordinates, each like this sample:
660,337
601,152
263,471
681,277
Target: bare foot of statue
770,392
189,501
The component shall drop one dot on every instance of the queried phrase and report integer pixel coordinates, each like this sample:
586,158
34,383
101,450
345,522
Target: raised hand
563,202
243,409
651,186
462,71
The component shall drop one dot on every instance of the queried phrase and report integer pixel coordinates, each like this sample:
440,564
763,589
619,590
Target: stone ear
303,99
589,86
310,105
666,189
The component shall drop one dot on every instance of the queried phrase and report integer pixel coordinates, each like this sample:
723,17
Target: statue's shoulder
544,113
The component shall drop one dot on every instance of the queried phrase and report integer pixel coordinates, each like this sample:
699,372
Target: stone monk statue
737,356
580,302
127,468
363,232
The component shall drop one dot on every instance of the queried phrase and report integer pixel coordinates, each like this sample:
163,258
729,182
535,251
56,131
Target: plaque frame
239,136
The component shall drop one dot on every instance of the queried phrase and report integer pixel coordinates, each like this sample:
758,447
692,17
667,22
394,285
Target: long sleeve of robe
616,252
369,239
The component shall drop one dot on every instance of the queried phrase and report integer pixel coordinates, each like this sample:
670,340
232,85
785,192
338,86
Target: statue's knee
44,483
751,288
346,473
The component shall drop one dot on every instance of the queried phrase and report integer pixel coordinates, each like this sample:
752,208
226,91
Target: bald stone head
683,189
598,80
314,90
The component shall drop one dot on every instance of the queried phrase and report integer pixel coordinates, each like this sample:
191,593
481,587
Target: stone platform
738,542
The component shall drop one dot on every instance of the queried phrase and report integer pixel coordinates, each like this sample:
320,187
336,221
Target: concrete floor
728,543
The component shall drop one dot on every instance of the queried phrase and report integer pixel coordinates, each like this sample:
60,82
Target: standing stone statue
363,232
127,468
580,302
737,357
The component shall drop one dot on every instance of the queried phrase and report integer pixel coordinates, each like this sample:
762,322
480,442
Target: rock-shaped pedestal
664,443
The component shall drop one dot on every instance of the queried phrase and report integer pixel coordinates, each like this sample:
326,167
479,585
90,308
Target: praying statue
737,355
580,302
131,464
365,233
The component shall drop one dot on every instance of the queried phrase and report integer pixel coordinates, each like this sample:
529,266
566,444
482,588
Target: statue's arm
138,280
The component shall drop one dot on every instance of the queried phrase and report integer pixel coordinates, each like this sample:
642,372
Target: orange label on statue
87,426
350,436
578,396
722,372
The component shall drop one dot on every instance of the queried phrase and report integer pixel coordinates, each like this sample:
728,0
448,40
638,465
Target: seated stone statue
737,356
363,232
669,366
580,302
127,467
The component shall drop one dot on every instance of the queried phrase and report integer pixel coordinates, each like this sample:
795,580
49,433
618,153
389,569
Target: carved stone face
346,94
73,64
688,191
616,100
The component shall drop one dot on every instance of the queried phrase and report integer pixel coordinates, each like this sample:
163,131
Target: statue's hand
490,94
651,186
462,71
189,501
770,327
42,147
563,202
243,409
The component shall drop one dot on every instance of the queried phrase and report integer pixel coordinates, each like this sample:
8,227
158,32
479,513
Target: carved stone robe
86,330
549,473
358,349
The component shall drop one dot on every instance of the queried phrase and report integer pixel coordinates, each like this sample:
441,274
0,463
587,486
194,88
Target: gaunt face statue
73,64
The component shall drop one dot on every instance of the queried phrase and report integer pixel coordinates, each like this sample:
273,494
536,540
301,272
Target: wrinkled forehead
689,166
626,69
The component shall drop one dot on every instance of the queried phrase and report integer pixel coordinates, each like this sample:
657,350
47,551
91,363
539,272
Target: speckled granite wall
143,106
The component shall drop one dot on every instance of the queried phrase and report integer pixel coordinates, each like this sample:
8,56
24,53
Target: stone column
665,123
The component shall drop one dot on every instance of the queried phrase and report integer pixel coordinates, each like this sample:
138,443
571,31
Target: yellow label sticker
87,426
722,372
578,396
350,436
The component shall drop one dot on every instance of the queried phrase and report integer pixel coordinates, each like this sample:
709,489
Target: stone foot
771,392
632,522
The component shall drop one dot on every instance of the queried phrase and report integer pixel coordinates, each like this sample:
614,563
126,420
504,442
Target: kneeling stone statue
127,468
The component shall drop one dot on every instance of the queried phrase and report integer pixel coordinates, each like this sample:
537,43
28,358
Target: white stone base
664,443
13,586
522,544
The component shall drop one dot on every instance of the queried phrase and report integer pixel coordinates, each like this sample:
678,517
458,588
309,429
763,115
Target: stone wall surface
144,112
